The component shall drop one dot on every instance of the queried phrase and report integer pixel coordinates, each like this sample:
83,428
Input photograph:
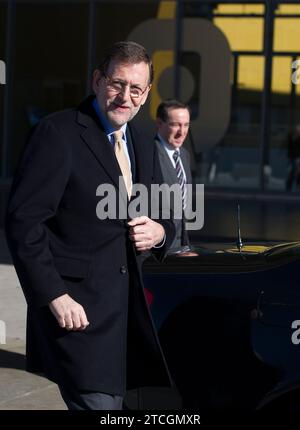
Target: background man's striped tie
180,176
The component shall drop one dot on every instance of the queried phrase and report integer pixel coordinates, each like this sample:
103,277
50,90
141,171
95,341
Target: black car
228,321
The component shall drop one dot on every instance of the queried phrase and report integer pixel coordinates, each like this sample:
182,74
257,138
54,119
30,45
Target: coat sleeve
38,186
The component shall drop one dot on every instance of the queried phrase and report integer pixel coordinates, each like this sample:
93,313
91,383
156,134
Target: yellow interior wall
288,9
244,34
247,34
287,34
281,77
166,9
240,8
251,73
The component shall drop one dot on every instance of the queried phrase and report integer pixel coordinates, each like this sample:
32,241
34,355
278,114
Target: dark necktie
180,176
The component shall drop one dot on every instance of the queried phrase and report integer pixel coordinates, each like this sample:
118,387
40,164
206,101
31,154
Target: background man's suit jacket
60,246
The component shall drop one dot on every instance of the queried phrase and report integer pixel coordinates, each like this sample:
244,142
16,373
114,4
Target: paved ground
18,389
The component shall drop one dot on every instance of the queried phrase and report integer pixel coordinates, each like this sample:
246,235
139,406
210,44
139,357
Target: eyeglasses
118,86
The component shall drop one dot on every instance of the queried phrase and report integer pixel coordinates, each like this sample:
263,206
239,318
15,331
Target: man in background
173,121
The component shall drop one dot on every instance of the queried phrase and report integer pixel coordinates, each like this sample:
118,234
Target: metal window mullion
178,45
266,96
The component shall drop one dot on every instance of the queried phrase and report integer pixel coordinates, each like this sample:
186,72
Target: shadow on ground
12,360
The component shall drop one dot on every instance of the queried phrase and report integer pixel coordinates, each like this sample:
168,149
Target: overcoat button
123,270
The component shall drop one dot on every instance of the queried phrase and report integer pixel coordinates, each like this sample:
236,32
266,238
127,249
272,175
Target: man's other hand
145,233
69,314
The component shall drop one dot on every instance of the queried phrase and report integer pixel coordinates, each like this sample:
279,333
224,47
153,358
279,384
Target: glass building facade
233,62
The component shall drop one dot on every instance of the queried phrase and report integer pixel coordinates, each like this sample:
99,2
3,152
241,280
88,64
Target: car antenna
239,242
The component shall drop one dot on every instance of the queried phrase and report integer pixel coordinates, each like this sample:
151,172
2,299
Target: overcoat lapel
170,172
95,138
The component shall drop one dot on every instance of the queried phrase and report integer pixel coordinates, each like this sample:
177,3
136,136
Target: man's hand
145,233
69,314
